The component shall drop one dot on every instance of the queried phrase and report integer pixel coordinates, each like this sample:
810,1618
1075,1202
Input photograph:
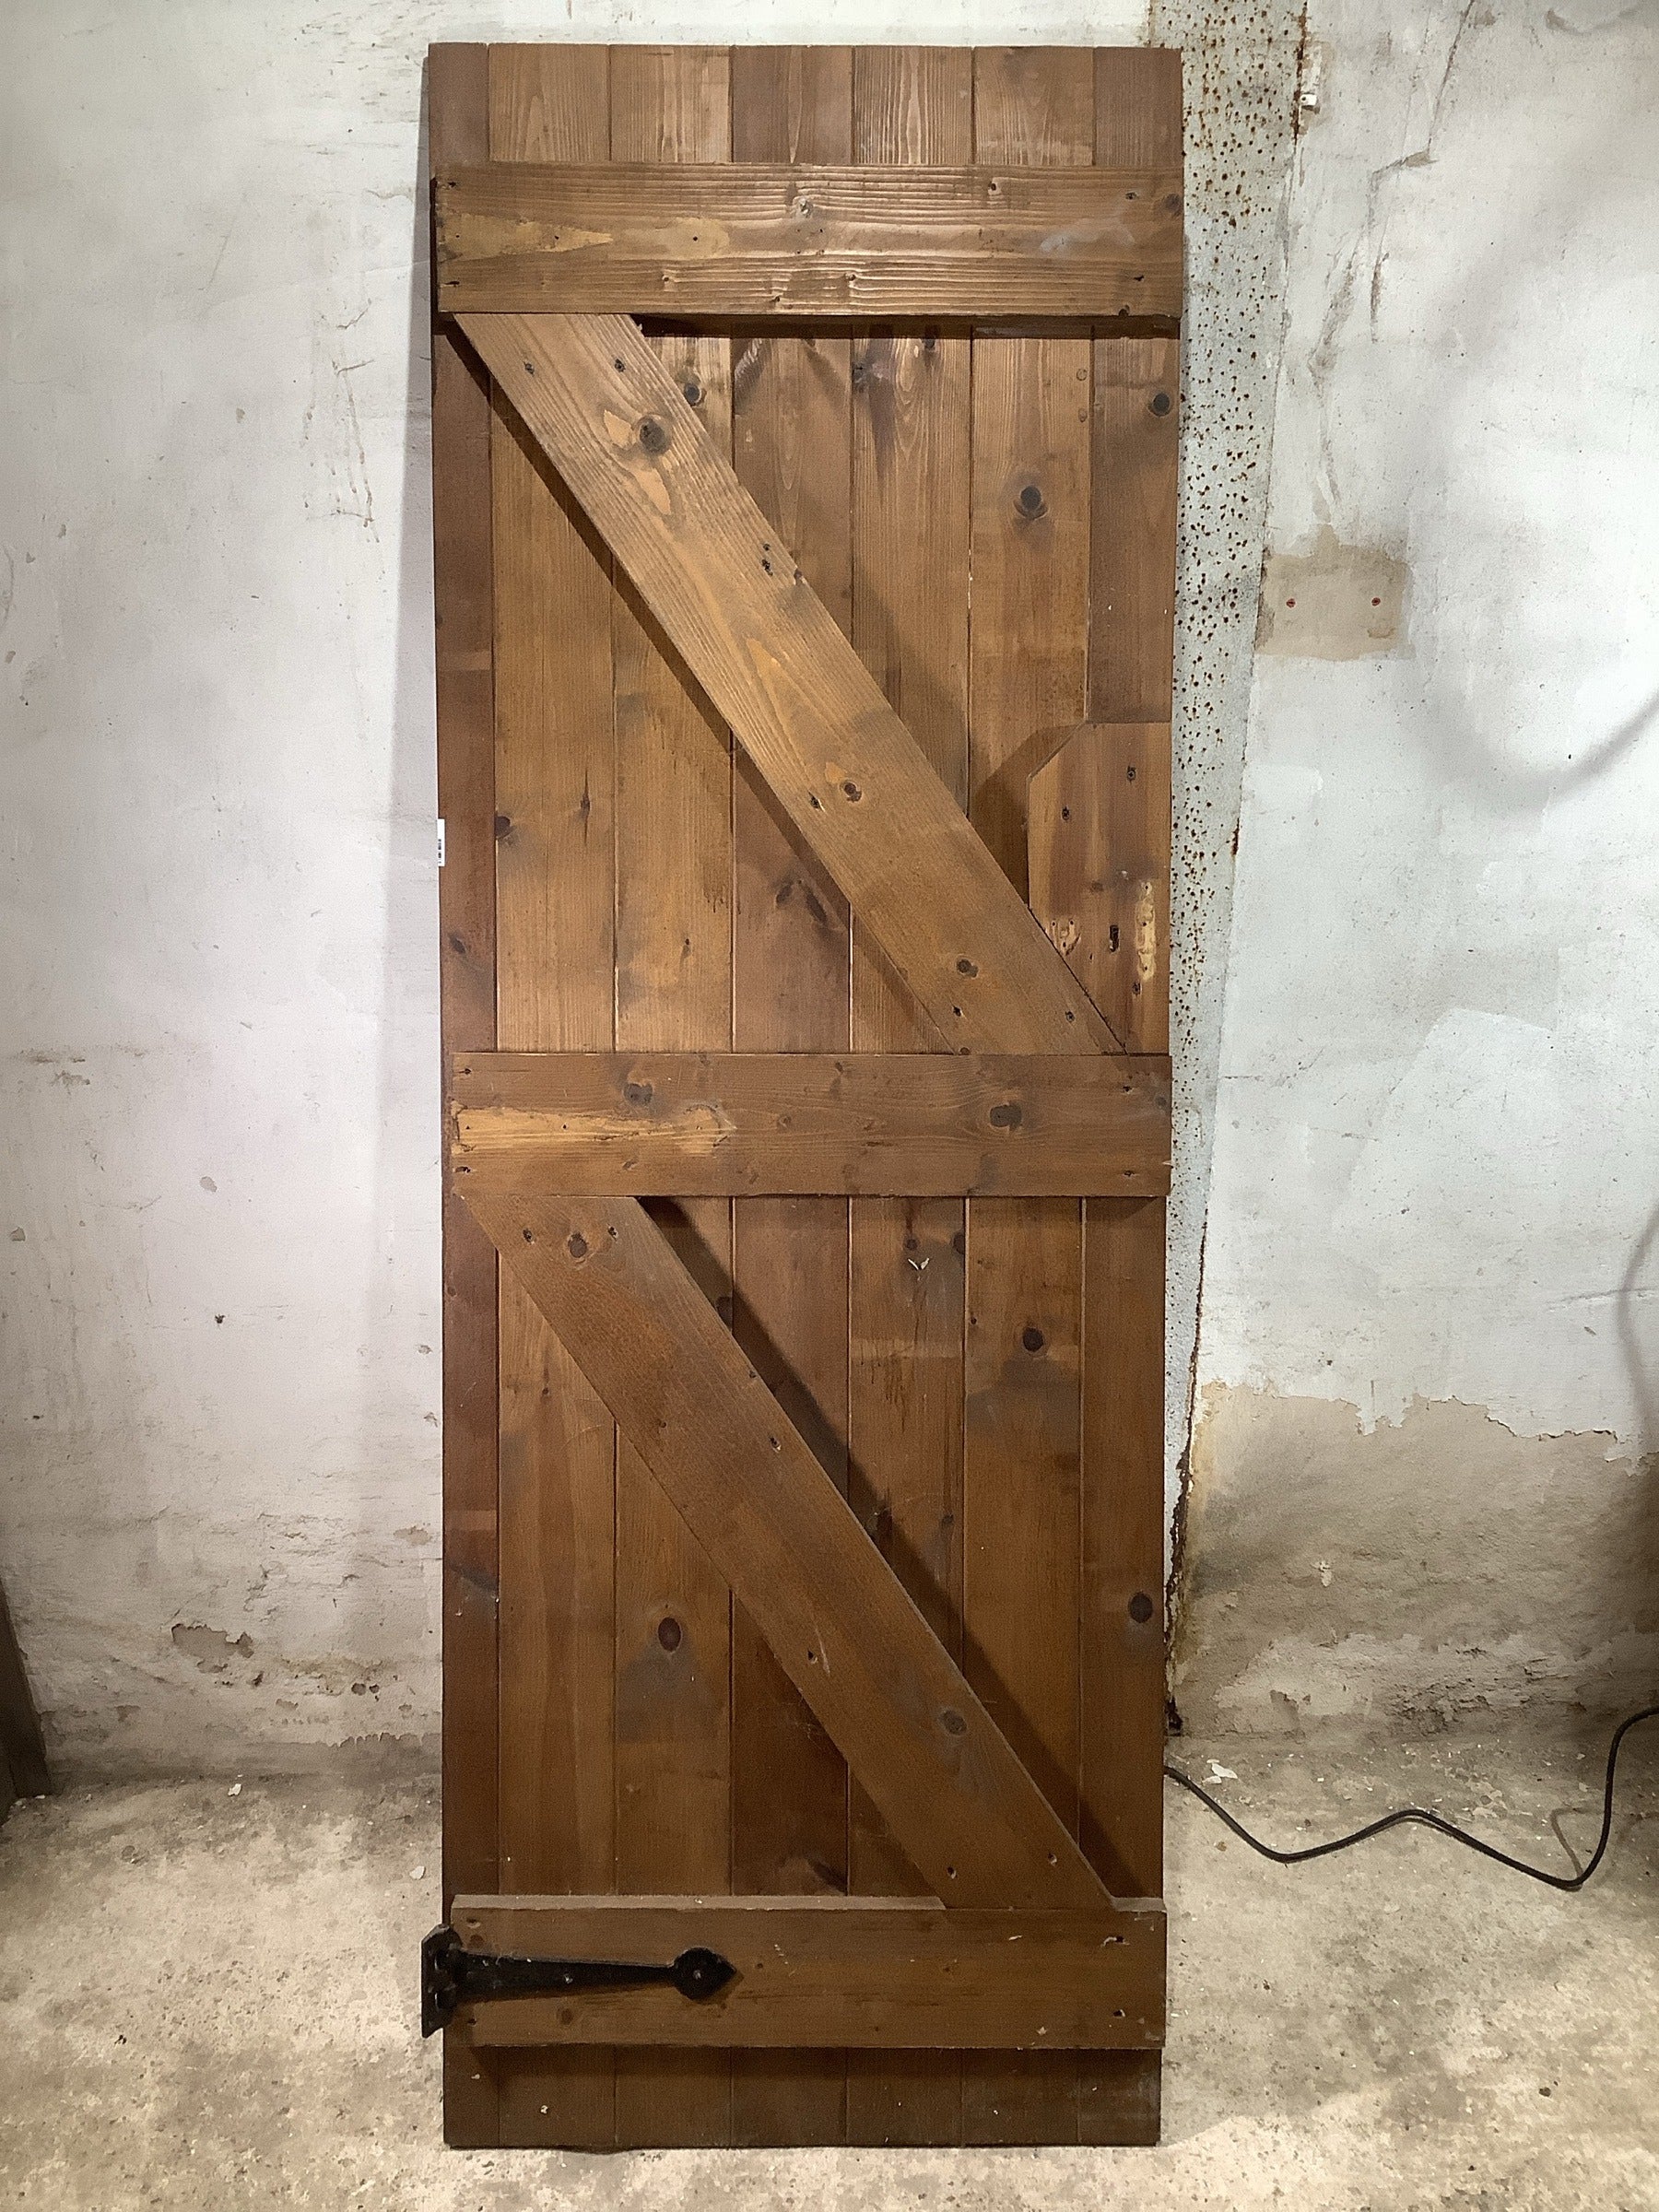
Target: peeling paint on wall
212,1649
1430,1571
1435,1179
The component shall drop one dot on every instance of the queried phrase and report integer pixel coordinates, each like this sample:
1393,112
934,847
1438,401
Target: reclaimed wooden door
803,456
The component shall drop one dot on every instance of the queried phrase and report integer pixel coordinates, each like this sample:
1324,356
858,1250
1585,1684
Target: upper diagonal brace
843,1629
732,603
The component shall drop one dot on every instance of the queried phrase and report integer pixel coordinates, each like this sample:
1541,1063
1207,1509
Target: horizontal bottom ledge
845,1973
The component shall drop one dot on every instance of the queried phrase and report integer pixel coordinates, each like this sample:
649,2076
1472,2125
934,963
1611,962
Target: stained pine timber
1130,697
767,240
462,594
1131,679
843,1629
669,106
895,1974
910,474
554,776
790,946
641,873
751,630
1022,1575
701,1125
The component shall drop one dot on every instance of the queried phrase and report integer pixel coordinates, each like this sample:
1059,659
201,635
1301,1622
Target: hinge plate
451,1976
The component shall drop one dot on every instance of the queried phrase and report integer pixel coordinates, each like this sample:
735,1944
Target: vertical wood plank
790,957
674,991
694,888
1122,1703
553,928
458,117
1098,822
1132,623
1132,652
1131,609
910,460
1031,516
1023,1418
1131,677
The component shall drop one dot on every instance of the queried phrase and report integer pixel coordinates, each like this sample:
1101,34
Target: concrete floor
206,1999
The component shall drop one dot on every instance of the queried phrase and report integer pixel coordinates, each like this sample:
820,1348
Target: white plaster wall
218,1479
1436,1171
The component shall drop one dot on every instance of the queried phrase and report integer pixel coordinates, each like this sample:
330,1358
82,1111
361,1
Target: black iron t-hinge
451,1976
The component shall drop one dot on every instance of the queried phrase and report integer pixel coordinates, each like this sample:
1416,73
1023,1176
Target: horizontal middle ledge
852,1125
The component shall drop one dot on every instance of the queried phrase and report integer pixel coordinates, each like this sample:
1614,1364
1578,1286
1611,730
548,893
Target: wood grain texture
1099,816
887,465
1023,1590
670,106
1137,395
1122,1717
1131,676
770,240
774,1523
554,898
1137,106
910,458
770,658
892,1973
923,1124
790,957
457,93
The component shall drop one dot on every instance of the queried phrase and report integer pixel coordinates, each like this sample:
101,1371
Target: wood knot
576,1245
653,435
1005,1117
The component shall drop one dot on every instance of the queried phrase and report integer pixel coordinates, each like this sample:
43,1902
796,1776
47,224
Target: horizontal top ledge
765,239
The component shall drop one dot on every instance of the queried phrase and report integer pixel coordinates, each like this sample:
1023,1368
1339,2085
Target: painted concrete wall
1423,1472
218,1479
218,1487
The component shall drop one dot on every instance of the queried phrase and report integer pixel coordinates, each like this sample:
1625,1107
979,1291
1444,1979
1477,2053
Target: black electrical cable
1429,1819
